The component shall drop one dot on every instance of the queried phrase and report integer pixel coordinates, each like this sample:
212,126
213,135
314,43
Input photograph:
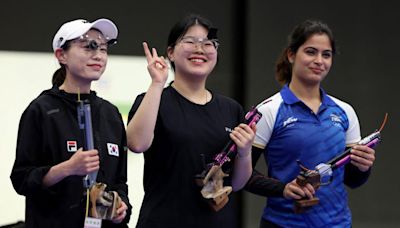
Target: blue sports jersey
291,131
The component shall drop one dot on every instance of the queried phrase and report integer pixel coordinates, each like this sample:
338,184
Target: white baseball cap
76,28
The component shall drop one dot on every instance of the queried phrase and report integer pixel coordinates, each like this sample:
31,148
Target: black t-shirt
184,131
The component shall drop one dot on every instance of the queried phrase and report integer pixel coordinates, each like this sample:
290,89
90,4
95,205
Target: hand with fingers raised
157,65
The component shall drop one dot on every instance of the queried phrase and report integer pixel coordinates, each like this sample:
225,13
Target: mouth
316,70
95,66
197,60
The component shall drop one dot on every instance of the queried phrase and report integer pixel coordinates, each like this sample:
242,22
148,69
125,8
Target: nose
198,47
318,59
98,54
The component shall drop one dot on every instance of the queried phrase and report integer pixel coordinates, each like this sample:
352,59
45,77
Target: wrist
157,84
65,168
243,156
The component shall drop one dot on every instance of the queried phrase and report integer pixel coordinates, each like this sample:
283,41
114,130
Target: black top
185,130
48,133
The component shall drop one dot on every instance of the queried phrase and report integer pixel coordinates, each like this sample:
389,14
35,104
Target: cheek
77,64
73,64
180,53
299,66
76,58
301,62
213,57
328,65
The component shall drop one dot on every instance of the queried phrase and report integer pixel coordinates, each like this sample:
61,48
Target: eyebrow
202,38
329,50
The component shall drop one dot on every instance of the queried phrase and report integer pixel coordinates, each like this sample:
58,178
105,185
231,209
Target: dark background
252,34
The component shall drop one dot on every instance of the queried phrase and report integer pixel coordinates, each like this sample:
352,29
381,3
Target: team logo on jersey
72,146
113,149
289,121
336,120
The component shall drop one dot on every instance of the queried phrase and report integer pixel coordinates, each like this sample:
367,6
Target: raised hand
157,66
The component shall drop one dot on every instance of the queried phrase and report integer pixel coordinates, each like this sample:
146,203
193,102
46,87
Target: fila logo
113,149
72,146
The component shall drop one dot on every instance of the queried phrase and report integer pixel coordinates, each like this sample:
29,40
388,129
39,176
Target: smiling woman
118,74
175,127
303,123
50,162
85,55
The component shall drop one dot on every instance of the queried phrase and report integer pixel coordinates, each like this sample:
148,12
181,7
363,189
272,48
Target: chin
201,72
93,77
317,78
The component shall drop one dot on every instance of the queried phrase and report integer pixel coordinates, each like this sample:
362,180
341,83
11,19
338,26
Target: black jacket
48,135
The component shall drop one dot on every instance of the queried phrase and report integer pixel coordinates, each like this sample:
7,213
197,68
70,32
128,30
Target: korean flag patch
113,149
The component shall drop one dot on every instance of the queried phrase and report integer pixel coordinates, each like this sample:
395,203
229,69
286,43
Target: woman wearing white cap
50,161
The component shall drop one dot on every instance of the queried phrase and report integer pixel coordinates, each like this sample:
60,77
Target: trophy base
103,204
302,205
218,199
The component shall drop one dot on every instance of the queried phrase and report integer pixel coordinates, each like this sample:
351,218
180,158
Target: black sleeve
135,106
29,166
353,177
260,184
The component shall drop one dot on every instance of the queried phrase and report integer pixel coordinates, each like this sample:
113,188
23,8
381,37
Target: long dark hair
180,28
299,35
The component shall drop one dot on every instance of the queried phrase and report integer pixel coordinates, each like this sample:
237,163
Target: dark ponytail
59,76
283,68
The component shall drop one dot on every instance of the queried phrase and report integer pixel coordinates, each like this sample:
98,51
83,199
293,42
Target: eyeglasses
191,42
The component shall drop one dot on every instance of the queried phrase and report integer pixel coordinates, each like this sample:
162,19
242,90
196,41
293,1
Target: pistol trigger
302,167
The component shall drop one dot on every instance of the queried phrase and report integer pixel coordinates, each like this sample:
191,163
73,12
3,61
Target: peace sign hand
157,66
